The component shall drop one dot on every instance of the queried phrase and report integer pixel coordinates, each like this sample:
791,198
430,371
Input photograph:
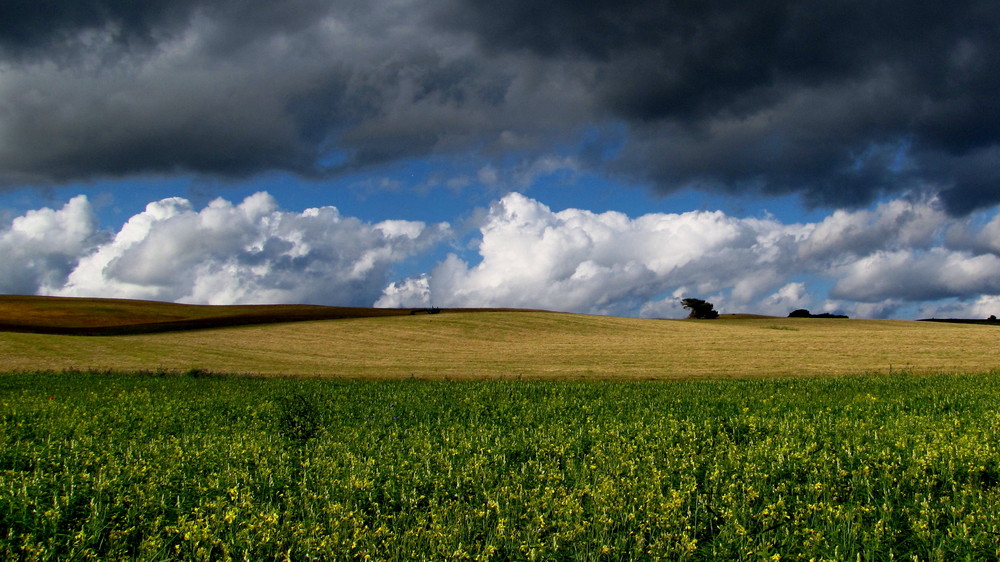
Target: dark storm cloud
31,25
37,27
239,88
839,102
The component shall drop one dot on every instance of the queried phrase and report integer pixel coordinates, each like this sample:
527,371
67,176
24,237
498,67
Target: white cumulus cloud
903,256
41,247
602,263
876,260
251,252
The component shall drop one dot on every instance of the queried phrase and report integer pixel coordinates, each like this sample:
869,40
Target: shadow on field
120,317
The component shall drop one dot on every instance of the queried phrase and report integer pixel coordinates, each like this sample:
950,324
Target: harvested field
533,344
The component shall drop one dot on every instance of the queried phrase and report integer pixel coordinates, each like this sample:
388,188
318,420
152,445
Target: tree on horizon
700,309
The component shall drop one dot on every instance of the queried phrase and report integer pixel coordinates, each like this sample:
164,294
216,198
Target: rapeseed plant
231,468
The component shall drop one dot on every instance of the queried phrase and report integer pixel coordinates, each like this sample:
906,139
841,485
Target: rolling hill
362,343
106,317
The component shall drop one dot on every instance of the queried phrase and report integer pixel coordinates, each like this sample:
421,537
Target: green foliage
152,467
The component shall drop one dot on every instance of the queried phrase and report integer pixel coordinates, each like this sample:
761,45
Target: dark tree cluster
702,310
803,313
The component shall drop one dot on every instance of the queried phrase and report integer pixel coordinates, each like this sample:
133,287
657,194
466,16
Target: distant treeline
803,313
992,320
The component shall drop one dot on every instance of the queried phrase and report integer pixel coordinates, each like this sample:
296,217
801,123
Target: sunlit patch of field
503,344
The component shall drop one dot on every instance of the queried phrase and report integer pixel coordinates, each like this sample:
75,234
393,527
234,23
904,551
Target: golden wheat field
533,344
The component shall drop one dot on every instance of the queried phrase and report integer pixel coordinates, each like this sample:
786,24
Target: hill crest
111,317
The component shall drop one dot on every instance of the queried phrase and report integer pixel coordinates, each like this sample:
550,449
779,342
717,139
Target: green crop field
492,435
153,467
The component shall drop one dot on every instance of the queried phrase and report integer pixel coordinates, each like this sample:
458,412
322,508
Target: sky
602,157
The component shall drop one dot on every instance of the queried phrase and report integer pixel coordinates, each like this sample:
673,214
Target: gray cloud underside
839,102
